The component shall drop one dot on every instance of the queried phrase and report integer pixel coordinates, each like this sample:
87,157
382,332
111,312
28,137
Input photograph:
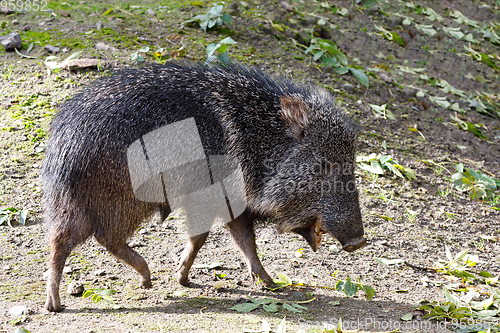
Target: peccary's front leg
193,245
243,233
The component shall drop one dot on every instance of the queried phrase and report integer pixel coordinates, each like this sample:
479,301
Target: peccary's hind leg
243,233
59,252
193,245
62,240
120,249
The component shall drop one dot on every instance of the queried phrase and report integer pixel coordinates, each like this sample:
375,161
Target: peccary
296,150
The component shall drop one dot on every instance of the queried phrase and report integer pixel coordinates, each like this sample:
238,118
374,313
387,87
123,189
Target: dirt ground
407,78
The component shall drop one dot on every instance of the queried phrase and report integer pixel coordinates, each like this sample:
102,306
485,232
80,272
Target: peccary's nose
354,244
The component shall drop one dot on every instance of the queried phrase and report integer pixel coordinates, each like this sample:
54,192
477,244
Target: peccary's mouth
312,234
354,244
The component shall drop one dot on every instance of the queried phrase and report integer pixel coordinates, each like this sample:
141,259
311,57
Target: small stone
65,50
348,87
11,41
64,13
27,27
52,49
134,243
409,92
150,12
77,64
99,272
18,311
7,268
385,78
75,288
298,295
285,5
105,47
16,21
98,25
67,270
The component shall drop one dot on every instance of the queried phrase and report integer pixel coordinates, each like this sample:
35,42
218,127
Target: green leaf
409,173
350,288
473,129
328,61
87,293
211,23
339,286
105,292
390,115
223,48
22,216
107,12
215,11
179,293
386,262
342,11
21,330
310,48
245,307
407,317
318,55
426,29
300,307
227,40
226,18
272,307
266,300
209,266
328,45
340,70
288,307
4,218
369,291
360,76
486,274
342,59
223,58
204,24
285,278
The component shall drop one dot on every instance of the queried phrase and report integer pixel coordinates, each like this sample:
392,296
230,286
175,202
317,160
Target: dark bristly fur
281,133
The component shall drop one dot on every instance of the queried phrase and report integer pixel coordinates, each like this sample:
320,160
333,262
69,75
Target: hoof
182,279
146,284
52,307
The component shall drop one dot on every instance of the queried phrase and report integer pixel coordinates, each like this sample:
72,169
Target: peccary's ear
295,114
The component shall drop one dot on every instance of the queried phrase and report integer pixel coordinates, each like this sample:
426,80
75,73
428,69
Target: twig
307,301
23,55
420,267
204,314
